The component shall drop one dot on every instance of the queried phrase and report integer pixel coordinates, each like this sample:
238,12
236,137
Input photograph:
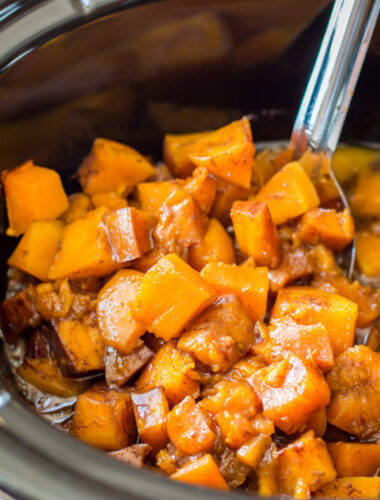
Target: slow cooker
72,70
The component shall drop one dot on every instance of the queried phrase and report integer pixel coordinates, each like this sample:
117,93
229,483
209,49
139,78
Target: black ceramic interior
132,71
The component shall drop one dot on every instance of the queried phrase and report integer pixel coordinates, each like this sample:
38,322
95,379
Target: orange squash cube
153,194
202,188
226,194
37,248
79,205
32,193
365,200
149,259
309,306
176,155
227,153
334,229
118,327
171,295
219,336
367,253
354,383
250,284
252,452
18,314
351,487
306,458
112,166
119,368
216,246
151,409
291,390
255,232
201,471
104,418
355,459
318,422
108,199
128,233
188,428
289,193
85,250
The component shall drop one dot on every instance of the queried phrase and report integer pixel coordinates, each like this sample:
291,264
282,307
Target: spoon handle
332,82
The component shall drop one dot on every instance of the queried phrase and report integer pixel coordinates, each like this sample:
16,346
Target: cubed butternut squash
219,336
349,161
365,199
176,155
289,193
104,418
149,259
252,452
112,166
291,390
188,428
227,153
119,368
297,263
171,295
85,250
354,383
151,409
174,371
118,327
306,458
79,347
251,285
128,231
216,246
226,194
334,229
153,194
108,199
351,487
32,193
202,471
79,205
368,253
318,422
18,314
202,188
37,248
308,306
355,459
255,232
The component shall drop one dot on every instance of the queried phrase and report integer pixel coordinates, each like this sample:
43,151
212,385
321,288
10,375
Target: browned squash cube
188,428
153,194
202,471
354,383
79,205
128,233
32,193
351,487
133,455
18,314
225,196
150,409
119,368
355,459
112,166
174,371
220,336
104,418
255,232
108,199
252,452
202,188
79,347
85,250
367,253
306,458
171,295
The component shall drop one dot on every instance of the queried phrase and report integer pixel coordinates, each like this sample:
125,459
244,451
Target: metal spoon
332,82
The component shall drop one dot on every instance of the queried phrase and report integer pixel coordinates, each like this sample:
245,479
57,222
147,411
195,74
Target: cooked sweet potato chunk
227,153
291,390
308,306
18,314
118,327
255,232
367,253
108,199
37,248
202,471
355,459
354,384
220,336
32,193
289,193
216,246
79,205
128,232
334,229
249,284
150,409
351,487
133,455
171,295
153,194
188,428
85,250
174,371
104,418
226,194
79,347
252,452
112,166
176,155
202,188
306,458
119,368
